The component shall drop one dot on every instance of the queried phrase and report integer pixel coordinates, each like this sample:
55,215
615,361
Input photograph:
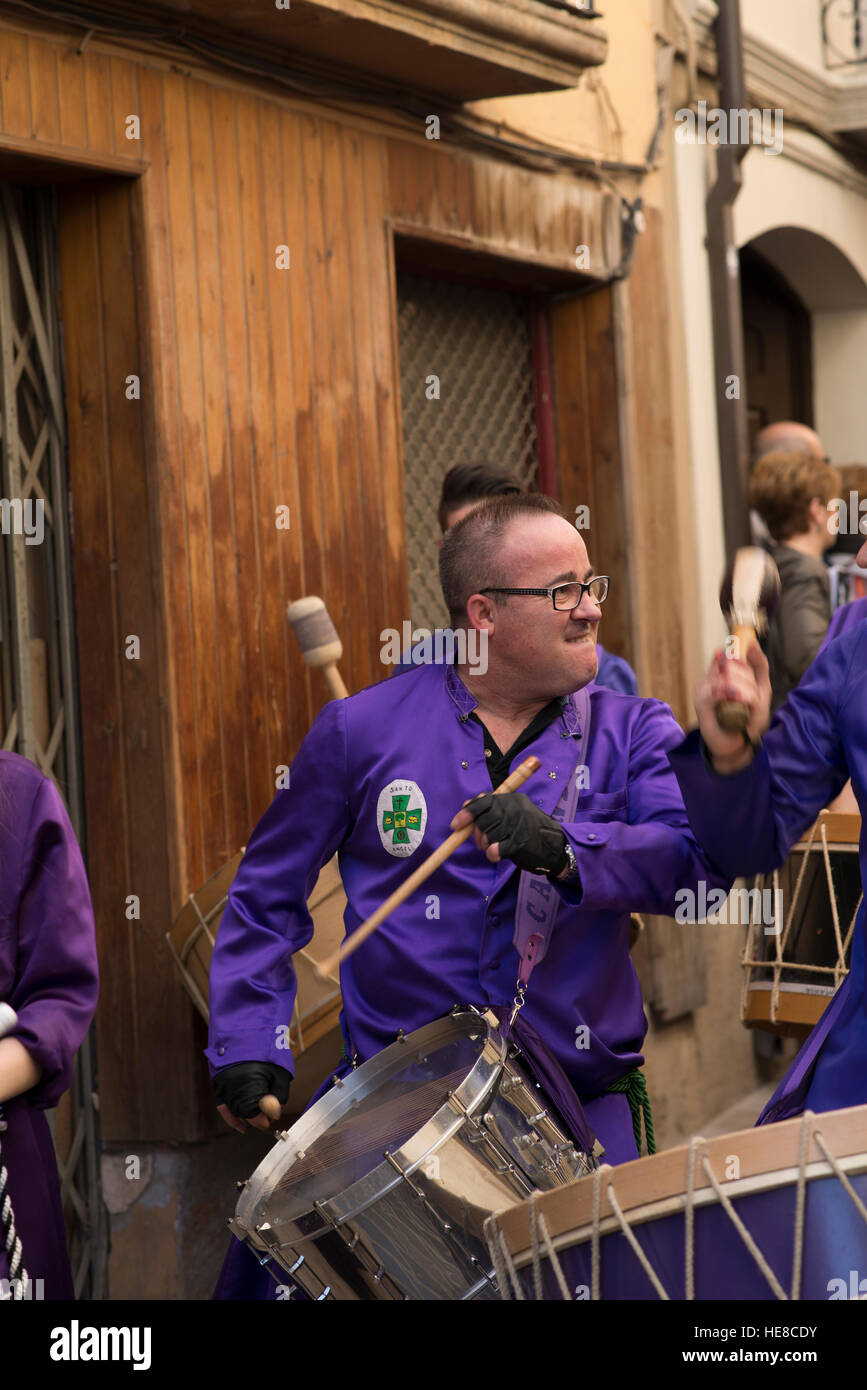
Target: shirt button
591,837
464,765
487,752
553,776
221,1051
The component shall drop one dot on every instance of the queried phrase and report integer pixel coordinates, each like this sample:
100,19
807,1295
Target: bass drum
791,974
776,1212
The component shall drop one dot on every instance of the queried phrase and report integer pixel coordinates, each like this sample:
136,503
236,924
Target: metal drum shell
414,1224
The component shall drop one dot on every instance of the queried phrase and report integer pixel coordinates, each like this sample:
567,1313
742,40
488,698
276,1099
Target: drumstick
270,1107
749,596
317,637
515,780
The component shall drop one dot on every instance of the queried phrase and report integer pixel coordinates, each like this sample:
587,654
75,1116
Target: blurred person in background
787,437
792,493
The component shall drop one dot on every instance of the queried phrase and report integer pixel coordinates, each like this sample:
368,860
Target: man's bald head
789,437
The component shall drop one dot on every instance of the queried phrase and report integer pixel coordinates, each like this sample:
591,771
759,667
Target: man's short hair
783,485
471,554
473,482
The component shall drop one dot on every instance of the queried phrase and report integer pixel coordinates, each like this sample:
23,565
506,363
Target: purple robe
750,821
48,973
378,779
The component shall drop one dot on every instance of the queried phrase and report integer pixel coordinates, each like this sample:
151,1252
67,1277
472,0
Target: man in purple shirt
516,570
48,976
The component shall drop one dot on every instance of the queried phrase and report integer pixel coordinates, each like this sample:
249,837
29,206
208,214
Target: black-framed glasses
568,595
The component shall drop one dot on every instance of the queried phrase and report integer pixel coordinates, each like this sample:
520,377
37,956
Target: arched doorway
778,347
805,331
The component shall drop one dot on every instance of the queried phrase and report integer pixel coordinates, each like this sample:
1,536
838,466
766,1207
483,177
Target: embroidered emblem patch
401,816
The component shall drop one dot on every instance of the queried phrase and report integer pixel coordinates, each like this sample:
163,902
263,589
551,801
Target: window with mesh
467,396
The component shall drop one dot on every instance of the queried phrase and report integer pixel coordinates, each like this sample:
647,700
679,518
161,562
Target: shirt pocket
603,806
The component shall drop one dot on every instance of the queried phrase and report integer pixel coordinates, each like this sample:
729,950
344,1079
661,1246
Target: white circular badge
401,816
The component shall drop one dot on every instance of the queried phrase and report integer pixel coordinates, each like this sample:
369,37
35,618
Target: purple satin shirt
378,778
48,973
750,821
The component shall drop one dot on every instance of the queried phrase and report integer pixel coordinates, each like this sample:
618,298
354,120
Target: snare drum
791,975
381,1190
770,1213
314,1035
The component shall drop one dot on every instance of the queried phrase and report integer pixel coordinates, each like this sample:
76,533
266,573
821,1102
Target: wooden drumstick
749,596
515,780
271,1107
317,637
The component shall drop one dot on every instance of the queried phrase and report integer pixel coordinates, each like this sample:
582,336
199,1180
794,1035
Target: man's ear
481,612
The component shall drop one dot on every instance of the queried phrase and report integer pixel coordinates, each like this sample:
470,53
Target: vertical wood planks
15,86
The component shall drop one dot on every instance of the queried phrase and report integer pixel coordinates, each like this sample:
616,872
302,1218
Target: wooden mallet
748,597
515,780
318,640
320,646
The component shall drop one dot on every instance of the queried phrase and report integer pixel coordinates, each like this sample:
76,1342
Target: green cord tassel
634,1086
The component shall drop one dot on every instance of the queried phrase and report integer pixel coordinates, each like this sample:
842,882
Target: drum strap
538,899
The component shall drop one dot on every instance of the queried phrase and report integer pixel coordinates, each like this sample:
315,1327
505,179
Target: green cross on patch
400,820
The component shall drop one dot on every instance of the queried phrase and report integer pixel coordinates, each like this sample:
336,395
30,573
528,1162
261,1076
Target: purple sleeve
749,821
56,976
253,981
639,864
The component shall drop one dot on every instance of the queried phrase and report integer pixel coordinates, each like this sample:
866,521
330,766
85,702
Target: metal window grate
38,682
478,344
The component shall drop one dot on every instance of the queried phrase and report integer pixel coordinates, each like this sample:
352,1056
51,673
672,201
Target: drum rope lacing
840,970
18,1275
506,1274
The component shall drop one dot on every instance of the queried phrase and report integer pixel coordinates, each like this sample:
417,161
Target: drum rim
845,1131
251,1208
735,1189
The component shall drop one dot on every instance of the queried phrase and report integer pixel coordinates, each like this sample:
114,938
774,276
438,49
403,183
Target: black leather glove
243,1085
528,836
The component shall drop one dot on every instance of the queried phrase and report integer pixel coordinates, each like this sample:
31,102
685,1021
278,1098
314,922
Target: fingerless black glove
527,835
243,1085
